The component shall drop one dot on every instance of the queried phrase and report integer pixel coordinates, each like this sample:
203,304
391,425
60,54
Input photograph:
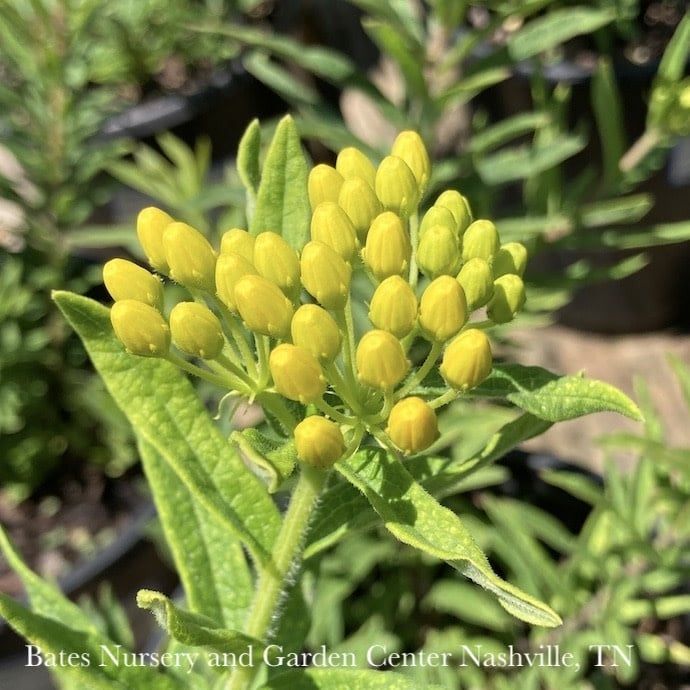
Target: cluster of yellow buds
272,322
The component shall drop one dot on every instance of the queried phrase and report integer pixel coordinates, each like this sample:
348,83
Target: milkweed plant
352,317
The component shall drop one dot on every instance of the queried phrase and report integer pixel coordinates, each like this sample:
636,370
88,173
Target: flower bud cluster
271,321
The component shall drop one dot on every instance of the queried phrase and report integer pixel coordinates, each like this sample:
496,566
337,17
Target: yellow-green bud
190,257
325,275
296,374
359,201
396,186
331,225
467,360
314,329
442,309
511,258
319,442
196,330
140,328
458,205
480,241
352,163
263,307
324,184
125,280
409,146
381,361
438,215
240,241
477,282
387,251
412,425
278,262
151,222
394,307
507,300
438,252
230,268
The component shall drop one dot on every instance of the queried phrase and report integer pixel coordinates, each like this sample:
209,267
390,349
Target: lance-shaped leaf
554,398
98,670
416,518
282,204
193,629
339,679
166,412
209,560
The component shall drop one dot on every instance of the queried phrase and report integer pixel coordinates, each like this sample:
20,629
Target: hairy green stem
285,557
334,414
444,399
422,372
225,380
275,404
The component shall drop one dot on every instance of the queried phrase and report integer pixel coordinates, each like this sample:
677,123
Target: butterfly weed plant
274,316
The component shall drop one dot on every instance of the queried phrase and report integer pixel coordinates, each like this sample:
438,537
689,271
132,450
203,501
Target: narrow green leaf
627,209
664,233
278,79
209,560
166,412
575,484
193,629
248,157
415,518
556,27
512,127
554,398
338,679
282,205
675,57
471,85
54,637
682,372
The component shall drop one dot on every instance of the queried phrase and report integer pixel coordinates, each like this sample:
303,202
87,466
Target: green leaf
682,372
248,157
209,560
512,127
193,629
471,85
278,79
575,484
166,412
675,57
338,679
54,637
556,27
282,204
554,398
664,233
627,209
523,162
276,458
415,518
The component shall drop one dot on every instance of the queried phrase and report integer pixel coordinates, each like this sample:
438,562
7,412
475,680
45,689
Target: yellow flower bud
409,146
507,300
151,222
331,225
324,184
314,329
278,262
319,442
239,241
511,258
477,282
296,374
480,241
467,360
381,361
394,307
125,280
352,163
387,251
396,186
360,203
325,275
458,205
263,307
438,215
442,309
190,257
438,252
196,330
140,328
412,425
230,268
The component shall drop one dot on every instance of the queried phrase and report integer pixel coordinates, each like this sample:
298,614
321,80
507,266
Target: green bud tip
438,215
458,205
438,252
507,300
480,241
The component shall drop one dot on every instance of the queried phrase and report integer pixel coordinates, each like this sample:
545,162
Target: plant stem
276,406
334,414
226,380
444,399
286,553
639,150
422,372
